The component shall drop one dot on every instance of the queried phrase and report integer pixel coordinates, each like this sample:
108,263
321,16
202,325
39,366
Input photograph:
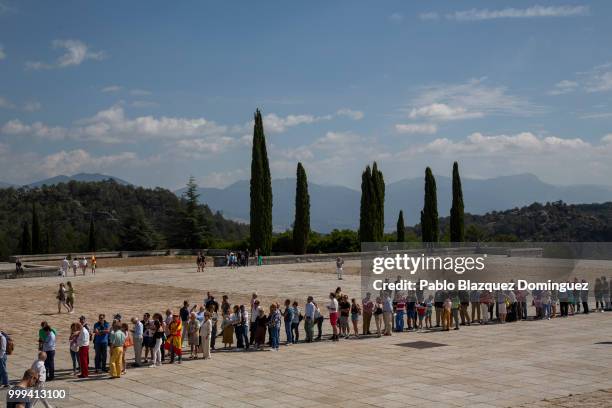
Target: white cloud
6,104
514,13
32,106
416,128
468,100
2,52
607,138
396,18
353,114
37,129
599,79
75,53
111,88
74,161
563,87
440,111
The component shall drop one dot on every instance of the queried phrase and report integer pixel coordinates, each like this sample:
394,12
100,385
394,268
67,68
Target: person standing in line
319,321
378,312
545,304
116,341
456,308
599,305
564,302
260,333
288,319
400,310
4,382
295,323
83,342
429,303
355,313
244,324
345,312
184,313
74,348
446,313
158,337
193,335
227,331
174,342
49,348
584,297
309,319
475,301
332,308
339,267
485,300
464,299
368,308
138,336
439,298
605,291
253,319
502,308
387,313
101,332
205,334
274,322
41,371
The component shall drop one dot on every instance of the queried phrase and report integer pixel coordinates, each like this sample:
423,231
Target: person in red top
368,309
400,311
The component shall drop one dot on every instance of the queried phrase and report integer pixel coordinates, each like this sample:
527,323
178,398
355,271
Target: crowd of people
77,264
193,331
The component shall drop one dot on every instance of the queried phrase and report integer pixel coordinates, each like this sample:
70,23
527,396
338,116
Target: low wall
7,271
102,255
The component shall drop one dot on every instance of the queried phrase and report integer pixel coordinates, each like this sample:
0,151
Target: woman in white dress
205,334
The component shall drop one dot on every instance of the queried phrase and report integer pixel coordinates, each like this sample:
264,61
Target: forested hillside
77,215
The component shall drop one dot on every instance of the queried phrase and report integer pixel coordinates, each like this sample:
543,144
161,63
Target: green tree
401,229
457,223
37,247
91,246
378,204
137,233
429,214
260,191
366,217
301,225
26,239
193,223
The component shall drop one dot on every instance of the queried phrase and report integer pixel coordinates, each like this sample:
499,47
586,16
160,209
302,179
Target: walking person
94,264
70,296
101,331
83,265
61,299
339,267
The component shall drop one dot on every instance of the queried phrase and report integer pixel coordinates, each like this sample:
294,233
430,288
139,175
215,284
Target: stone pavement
479,366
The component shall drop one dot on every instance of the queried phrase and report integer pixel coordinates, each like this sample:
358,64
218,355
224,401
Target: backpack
10,345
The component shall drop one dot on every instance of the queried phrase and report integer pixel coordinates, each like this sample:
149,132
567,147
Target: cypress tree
365,211
378,204
36,236
457,227
193,224
92,236
261,191
429,215
301,225
26,239
401,229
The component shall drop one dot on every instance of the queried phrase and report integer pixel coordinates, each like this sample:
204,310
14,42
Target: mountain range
338,206
84,177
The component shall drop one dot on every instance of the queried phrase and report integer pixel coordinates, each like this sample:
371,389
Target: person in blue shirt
101,331
288,315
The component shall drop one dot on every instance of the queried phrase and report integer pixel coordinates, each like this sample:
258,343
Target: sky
155,91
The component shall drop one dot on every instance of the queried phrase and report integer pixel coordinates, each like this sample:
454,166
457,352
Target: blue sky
155,91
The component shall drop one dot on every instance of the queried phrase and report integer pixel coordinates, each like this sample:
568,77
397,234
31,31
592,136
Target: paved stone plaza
516,364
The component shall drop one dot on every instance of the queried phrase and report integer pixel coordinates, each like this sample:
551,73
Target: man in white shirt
83,343
41,371
332,308
138,339
339,265
65,267
254,314
309,318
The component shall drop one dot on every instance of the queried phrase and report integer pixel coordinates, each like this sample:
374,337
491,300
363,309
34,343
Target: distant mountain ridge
83,177
338,206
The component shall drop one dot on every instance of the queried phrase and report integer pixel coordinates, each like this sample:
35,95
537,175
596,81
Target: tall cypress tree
429,215
26,239
36,236
92,236
301,225
261,191
457,227
401,229
365,211
378,203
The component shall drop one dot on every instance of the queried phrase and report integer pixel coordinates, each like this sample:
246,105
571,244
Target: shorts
501,308
412,314
355,317
148,342
333,318
343,321
428,313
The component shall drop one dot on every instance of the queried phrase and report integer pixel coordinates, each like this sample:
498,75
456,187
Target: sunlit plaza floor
516,364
